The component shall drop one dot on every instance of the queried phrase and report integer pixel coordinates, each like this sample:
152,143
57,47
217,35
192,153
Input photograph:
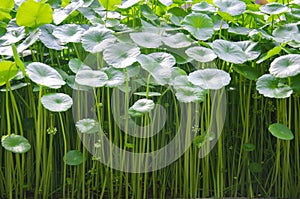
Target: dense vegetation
90,90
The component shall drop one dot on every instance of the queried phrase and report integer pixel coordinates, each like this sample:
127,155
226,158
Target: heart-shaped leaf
201,54
141,107
281,131
88,126
121,55
232,7
210,78
8,70
97,39
34,14
44,75
68,33
199,25
179,40
159,65
74,158
146,39
229,51
15,143
285,66
273,87
91,78
57,102
274,8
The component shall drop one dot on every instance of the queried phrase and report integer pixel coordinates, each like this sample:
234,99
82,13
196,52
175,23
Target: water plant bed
149,99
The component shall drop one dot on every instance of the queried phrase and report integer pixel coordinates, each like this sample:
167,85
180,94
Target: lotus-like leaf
285,66
159,65
229,51
146,39
68,33
115,76
15,143
201,54
273,87
44,75
210,78
60,14
281,131
97,39
34,14
8,70
48,39
203,7
274,8
232,7
141,107
13,35
286,32
57,102
88,126
121,55
179,40
74,158
251,49
199,25
91,78
128,4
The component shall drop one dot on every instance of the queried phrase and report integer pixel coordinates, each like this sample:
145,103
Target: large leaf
146,39
115,77
44,75
73,158
179,40
91,78
159,65
8,70
201,54
121,55
286,32
68,33
57,102
232,7
110,4
285,66
247,71
273,87
199,25
5,8
210,78
251,49
48,39
14,34
34,14
15,143
274,8
96,39
229,51
281,131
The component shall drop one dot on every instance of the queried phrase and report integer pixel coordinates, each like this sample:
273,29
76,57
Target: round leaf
272,87
74,158
115,77
88,126
34,14
285,66
232,7
141,107
44,75
229,51
15,143
274,8
121,55
48,39
68,33
204,7
210,78
179,40
57,102
199,25
281,131
146,39
201,54
91,78
76,65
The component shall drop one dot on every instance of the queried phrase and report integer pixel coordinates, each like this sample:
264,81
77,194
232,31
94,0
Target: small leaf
15,143
281,131
73,158
255,167
247,71
248,147
88,126
141,107
76,65
57,102
203,7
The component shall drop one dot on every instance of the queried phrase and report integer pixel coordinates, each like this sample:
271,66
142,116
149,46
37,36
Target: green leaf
251,49
248,147
141,107
76,65
201,54
274,8
285,66
44,75
15,143
247,71
57,102
121,55
199,140
88,126
8,70
148,13
274,51
110,4
273,87
255,167
68,33
73,158
5,7
232,7
34,14
285,32
199,25
281,131
146,39
179,40
203,7
295,83
210,78
91,78
229,51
